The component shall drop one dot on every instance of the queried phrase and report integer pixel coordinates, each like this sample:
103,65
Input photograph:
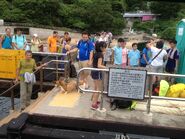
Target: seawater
5,106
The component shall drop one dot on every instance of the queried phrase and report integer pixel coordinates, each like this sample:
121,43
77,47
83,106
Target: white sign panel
127,83
180,32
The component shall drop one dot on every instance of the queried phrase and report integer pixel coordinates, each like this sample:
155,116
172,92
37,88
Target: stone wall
42,33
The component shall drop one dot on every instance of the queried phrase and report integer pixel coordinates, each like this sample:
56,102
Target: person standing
158,57
85,49
65,49
146,55
19,40
100,48
52,42
6,40
35,43
107,55
120,53
134,56
173,58
25,75
66,37
63,41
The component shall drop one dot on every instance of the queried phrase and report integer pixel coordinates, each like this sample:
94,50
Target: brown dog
67,86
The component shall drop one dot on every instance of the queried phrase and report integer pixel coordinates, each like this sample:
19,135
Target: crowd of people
94,51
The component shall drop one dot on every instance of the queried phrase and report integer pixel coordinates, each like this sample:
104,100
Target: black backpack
121,104
73,73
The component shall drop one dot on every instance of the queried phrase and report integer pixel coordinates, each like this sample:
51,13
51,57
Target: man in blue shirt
134,56
120,53
6,41
85,48
146,55
19,41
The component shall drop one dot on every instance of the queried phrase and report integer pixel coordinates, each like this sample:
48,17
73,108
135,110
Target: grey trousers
25,94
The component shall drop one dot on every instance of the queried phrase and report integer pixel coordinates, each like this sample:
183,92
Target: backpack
73,73
119,103
16,37
88,44
70,68
3,39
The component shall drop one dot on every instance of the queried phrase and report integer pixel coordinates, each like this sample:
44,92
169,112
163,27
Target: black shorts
170,70
143,65
96,75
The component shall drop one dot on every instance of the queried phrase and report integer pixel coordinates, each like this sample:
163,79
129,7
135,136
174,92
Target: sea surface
5,106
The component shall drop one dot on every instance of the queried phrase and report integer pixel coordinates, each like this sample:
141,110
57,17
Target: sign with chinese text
127,83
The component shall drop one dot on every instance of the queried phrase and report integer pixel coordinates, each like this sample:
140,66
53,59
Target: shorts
52,49
157,69
170,70
83,64
123,65
96,75
143,65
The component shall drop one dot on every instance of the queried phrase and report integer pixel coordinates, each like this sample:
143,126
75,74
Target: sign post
127,83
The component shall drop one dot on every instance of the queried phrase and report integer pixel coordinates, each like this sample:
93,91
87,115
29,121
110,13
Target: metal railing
41,81
148,97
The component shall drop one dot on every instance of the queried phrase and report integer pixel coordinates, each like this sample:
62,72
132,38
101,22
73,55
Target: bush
168,33
164,28
144,26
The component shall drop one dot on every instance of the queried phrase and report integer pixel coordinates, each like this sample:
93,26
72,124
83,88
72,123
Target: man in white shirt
160,55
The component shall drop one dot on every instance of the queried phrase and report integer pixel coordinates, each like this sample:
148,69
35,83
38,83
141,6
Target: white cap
154,35
35,35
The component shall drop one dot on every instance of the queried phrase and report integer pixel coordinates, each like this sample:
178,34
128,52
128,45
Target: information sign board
127,83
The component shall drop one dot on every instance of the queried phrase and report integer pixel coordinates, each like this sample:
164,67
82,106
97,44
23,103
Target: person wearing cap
35,43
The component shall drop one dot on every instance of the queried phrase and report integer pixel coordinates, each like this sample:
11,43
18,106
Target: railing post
41,79
57,68
102,89
12,97
150,93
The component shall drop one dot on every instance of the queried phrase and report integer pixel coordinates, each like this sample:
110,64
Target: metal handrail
107,70
51,54
12,87
149,97
78,77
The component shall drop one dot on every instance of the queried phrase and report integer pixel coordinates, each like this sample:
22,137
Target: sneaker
82,86
94,107
98,102
86,86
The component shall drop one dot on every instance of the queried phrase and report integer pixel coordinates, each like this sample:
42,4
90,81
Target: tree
136,5
167,10
104,18
3,8
91,15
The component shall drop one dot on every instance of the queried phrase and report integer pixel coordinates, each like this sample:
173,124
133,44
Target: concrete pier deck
75,107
